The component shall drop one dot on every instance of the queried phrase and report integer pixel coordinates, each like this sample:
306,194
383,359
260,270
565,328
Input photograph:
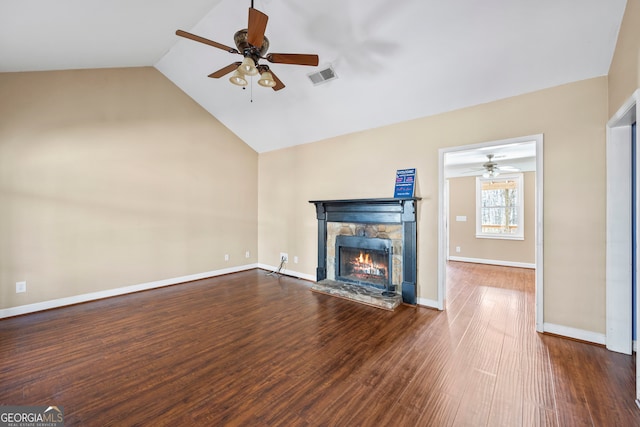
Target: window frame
519,178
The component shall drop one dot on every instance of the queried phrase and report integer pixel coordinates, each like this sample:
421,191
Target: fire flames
364,258
363,264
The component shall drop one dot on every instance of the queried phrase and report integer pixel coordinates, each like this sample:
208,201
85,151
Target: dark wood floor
250,349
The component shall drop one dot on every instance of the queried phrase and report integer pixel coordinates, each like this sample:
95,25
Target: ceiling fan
253,45
491,168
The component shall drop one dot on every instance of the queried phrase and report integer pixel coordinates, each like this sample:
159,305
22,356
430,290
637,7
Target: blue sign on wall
405,183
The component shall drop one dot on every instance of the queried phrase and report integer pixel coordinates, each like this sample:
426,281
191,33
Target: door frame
539,221
619,228
619,222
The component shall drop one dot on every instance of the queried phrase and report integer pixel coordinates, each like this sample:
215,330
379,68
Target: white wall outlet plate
21,287
284,256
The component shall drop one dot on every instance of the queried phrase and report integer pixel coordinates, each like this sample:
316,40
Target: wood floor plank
251,349
477,398
534,415
506,405
441,409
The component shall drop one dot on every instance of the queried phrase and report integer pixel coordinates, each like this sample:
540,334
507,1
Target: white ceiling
396,60
520,156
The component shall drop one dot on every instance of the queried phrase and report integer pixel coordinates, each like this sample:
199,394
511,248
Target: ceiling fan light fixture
238,79
248,67
266,79
491,173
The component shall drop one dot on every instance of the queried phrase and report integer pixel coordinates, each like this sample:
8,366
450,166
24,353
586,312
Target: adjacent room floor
252,349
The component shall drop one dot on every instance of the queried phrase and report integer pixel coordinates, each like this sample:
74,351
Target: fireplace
382,230
365,261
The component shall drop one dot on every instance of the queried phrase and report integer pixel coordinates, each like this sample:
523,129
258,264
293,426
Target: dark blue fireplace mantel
373,211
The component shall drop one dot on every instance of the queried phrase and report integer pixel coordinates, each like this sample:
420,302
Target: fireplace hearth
368,245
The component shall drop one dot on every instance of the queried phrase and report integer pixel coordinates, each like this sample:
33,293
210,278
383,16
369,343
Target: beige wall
624,73
462,202
115,177
572,119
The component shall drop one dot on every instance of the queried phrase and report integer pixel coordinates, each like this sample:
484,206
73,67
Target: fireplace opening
365,261
362,265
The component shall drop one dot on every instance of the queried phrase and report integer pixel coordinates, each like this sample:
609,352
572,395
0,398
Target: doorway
622,232
443,225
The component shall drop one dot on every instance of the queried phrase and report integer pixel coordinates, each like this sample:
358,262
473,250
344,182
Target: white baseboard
578,334
76,299
493,262
287,272
425,302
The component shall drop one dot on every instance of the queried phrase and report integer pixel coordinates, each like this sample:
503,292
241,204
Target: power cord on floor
278,271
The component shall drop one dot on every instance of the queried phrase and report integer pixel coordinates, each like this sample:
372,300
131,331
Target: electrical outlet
458,249
21,287
295,259
247,254
284,256
226,257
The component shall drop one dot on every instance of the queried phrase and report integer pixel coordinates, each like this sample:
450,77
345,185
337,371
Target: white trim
618,228
618,240
624,116
291,273
443,232
493,262
578,334
619,276
430,303
77,299
447,226
539,229
499,237
539,232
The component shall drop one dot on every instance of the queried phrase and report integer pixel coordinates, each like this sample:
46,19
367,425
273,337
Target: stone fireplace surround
388,218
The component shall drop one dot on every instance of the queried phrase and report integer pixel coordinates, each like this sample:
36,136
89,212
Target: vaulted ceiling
395,60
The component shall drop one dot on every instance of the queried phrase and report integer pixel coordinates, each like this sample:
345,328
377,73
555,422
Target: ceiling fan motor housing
255,53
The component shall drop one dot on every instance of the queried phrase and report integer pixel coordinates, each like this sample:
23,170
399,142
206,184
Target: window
499,207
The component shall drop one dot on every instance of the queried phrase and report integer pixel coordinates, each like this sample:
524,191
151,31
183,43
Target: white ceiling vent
322,76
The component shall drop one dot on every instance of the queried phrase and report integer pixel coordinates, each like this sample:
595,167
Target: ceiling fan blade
293,58
279,85
257,27
508,168
224,71
206,41
474,170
